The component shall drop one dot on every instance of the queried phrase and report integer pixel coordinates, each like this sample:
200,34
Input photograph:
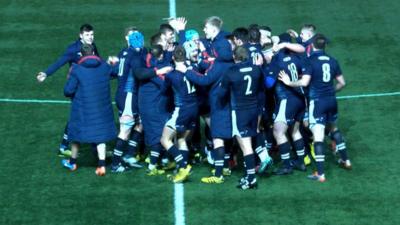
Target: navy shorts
183,118
323,110
289,110
221,123
244,122
126,101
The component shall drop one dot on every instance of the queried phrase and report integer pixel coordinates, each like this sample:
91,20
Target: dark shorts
183,118
323,110
244,122
221,123
289,110
126,101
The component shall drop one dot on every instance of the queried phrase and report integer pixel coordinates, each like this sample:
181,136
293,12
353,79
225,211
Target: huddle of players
228,79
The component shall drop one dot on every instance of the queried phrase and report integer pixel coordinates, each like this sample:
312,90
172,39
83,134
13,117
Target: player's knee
337,136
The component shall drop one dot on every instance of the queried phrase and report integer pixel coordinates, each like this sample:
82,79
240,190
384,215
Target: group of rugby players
252,89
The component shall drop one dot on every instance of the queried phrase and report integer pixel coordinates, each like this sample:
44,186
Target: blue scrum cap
191,34
136,39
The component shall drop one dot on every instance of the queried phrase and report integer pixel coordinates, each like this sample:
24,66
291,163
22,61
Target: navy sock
64,142
72,160
155,153
340,144
185,154
219,154
250,166
118,151
284,150
319,157
299,147
133,143
177,156
101,163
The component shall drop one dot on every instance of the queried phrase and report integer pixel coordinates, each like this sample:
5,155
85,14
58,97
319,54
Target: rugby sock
185,154
284,150
177,156
340,144
250,166
307,139
319,157
155,154
261,150
219,154
299,147
269,138
118,151
101,163
72,160
64,142
133,143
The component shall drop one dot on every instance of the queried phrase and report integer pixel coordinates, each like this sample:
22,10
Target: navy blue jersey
184,90
323,70
219,47
294,66
71,55
129,59
221,124
244,82
253,49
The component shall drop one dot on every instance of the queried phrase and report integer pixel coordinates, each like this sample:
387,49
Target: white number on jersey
326,72
191,88
121,67
248,89
293,71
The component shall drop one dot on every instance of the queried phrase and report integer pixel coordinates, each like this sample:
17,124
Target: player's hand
41,76
164,70
292,33
258,59
180,24
112,60
284,77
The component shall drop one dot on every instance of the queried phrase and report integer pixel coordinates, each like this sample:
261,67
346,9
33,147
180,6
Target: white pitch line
179,204
368,95
48,101
179,201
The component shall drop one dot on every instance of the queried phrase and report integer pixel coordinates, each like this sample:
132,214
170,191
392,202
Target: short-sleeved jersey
184,90
129,59
323,70
244,81
294,66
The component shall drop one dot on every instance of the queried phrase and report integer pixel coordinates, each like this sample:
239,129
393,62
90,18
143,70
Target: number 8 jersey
323,69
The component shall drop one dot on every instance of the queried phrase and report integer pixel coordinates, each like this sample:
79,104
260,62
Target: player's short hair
165,27
253,25
241,33
214,21
87,49
85,28
155,39
310,27
254,35
267,28
179,54
156,51
130,29
320,41
241,54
